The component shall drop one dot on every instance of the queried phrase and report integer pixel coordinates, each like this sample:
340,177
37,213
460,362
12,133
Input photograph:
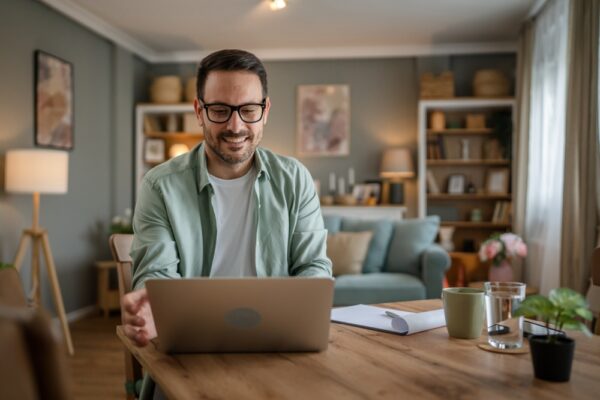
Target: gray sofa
402,261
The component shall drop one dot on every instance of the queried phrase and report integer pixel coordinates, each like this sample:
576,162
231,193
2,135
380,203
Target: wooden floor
97,368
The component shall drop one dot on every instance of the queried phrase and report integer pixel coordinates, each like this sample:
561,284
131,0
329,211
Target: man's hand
137,317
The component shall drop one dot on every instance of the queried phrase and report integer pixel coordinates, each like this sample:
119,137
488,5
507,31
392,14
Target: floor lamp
35,171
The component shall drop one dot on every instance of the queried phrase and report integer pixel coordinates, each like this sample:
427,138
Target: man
226,208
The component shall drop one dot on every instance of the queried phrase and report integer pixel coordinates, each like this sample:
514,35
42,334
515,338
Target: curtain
521,135
544,197
580,216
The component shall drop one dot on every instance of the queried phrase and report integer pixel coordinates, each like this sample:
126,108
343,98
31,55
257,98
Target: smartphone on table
529,328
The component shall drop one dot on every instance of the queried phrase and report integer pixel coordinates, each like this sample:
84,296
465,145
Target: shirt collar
203,174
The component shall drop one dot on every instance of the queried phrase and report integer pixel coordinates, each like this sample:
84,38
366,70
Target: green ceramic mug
464,309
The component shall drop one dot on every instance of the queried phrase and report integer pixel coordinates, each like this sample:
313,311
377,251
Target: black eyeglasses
220,113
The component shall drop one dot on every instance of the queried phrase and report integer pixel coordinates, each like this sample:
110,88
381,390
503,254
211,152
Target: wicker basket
437,87
166,89
490,83
190,89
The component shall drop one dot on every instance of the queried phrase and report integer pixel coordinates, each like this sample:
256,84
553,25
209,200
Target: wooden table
108,298
365,364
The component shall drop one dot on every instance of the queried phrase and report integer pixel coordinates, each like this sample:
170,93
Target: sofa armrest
434,263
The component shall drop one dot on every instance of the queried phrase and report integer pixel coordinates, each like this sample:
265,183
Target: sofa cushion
332,223
378,287
378,248
411,237
347,251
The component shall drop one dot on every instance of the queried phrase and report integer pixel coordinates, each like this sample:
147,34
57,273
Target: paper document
372,317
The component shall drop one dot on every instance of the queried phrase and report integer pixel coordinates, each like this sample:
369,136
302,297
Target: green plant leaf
584,313
536,306
5,265
567,299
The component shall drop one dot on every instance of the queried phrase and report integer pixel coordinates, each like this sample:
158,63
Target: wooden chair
33,363
120,246
594,290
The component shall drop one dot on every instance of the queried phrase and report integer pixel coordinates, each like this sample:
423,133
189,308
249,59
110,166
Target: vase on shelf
502,272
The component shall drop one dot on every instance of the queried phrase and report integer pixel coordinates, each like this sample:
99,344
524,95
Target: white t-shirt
235,247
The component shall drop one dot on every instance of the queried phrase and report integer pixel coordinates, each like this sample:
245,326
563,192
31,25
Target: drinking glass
501,301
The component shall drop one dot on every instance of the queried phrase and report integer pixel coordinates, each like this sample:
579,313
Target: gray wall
384,95
100,165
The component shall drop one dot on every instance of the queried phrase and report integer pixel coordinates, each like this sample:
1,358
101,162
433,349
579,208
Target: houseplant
501,249
122,223
552,355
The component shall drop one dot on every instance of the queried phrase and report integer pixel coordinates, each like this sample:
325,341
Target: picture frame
456,184
323,120
496,181
361,193
53,98
154,150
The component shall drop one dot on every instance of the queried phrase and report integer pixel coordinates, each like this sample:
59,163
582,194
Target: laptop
223,315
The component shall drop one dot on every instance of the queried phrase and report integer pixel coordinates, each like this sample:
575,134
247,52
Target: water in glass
501,300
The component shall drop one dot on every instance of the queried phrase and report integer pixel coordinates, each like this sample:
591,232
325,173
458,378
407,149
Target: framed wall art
323,115
53,101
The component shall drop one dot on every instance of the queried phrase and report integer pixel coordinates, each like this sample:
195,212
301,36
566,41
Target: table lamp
396,165
36,171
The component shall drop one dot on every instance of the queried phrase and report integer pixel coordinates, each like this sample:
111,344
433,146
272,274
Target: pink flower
521,249
490,249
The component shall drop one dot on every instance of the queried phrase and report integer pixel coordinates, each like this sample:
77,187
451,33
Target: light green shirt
175,230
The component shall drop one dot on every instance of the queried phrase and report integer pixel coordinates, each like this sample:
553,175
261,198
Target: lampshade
36,170
397,163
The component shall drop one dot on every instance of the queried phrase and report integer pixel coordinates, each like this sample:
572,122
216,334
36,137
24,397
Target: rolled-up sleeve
308,252
154,251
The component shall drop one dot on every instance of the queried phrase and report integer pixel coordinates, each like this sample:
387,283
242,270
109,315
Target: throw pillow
411,238
378,249
347,251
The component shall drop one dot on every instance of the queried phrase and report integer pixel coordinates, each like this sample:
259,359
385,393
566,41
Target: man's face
234,141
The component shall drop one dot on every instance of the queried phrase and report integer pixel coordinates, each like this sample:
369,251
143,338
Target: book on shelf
502,212
152,124
435,149
432,186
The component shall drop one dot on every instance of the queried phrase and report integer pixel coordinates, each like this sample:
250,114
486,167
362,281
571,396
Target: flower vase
502,272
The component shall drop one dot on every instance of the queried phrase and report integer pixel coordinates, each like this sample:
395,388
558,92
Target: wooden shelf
460,131
459,162
466,196
174,135
476,225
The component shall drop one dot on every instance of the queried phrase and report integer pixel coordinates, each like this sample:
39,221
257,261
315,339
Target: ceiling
184,30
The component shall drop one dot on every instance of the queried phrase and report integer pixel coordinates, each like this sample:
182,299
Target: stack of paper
404,323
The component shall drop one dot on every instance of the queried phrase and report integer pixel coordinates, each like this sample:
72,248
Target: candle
341,186
351,177
332,182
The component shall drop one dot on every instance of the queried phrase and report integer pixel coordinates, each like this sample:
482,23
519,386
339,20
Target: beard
218,144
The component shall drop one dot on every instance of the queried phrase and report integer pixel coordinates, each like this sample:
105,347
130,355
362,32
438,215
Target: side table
108,298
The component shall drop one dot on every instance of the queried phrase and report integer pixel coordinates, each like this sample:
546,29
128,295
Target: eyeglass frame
262,104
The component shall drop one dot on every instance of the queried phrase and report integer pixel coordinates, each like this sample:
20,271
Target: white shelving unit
178,136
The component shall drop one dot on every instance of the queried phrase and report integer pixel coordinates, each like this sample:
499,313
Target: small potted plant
500,250
5,265
552,355
122,224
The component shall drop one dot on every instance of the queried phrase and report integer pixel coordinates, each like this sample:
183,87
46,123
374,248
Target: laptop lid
241,314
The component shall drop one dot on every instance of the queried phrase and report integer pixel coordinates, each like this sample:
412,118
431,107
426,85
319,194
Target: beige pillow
347,251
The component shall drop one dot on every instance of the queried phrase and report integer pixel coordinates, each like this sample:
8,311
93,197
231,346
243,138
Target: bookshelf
467,166
159,127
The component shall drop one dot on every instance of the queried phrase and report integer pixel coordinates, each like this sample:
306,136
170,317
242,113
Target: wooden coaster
487,347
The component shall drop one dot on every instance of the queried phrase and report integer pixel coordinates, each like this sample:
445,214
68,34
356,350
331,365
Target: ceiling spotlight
277,4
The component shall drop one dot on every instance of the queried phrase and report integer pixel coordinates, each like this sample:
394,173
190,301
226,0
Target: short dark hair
230,60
